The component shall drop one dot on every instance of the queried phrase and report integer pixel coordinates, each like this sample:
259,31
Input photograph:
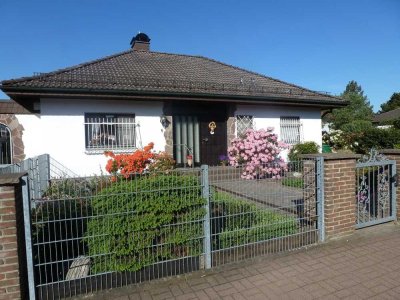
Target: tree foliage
392,103
359,108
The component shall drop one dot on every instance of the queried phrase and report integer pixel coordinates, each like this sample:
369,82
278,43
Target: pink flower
259,152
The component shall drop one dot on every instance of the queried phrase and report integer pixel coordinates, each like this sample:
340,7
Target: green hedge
293,182
302,148
152,219
133,217
245,223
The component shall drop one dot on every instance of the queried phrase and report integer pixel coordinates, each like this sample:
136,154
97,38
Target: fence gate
376,190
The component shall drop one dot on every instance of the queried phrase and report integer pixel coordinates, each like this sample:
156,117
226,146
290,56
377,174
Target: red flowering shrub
128,164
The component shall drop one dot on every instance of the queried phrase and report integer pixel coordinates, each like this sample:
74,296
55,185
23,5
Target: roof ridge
271,78
62,70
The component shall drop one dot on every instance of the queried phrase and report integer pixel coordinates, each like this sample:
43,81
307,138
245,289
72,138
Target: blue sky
320,44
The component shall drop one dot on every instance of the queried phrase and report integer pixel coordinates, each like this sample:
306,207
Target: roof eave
17,93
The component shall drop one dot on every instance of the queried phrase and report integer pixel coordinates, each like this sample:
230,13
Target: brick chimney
141,42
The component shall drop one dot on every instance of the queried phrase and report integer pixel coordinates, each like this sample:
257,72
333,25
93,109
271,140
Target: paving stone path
363,266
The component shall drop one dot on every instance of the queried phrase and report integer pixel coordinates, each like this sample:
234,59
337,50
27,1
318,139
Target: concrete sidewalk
363,266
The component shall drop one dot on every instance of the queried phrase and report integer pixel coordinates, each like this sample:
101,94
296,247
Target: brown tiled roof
387,116
146,72
11,107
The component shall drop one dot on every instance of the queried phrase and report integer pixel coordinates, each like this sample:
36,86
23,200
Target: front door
213,138
194,133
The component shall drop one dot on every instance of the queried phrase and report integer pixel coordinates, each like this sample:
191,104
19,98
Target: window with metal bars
243,122
110,132
291,130
5,145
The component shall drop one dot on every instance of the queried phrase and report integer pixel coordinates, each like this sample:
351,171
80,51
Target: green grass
293,182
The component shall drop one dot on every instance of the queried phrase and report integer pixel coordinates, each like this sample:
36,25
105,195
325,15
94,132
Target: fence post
205,192
44,173
320,198
28,236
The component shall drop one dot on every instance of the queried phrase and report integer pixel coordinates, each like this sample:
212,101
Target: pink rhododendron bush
258,154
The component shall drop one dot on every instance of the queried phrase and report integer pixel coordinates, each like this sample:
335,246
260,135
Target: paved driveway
269,193
363,266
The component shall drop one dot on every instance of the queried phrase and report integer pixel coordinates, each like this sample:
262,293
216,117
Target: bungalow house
184,104
387,118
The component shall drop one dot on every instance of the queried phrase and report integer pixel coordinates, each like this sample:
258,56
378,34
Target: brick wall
12,246
9,269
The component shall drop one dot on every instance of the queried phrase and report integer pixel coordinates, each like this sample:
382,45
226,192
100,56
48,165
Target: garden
146,213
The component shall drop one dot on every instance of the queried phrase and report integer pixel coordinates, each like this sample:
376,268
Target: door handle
205,140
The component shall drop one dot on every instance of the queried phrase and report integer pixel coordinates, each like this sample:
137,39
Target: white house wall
59,130
264,117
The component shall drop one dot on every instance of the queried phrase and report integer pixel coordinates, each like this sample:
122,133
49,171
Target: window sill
102,150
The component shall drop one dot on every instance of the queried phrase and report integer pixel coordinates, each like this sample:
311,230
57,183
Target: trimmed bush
244,223
379,138
302,148
141,222
293,182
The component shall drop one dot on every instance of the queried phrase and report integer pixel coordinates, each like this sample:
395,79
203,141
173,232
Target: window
291,130
243,122
5,145
110,132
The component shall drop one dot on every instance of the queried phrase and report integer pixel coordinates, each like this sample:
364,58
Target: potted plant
223,159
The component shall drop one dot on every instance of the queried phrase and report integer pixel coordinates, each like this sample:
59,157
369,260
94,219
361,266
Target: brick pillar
12,247
339,192
394,154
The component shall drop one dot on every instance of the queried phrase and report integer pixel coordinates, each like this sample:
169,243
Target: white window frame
110,132
291,129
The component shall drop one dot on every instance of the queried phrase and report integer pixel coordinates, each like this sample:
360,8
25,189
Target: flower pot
189,162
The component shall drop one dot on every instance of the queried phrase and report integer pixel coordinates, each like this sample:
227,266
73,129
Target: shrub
357,126
259,152
132,217
59,222
336,139
128,164
379,138
302,148
396,123
162,162
293,182
242,222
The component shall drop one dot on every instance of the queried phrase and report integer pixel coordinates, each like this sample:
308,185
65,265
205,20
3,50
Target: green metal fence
94,233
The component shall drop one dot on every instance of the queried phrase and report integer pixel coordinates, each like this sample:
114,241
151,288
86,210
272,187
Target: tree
392,103
359,108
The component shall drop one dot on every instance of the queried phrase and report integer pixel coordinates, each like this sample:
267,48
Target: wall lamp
164,121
